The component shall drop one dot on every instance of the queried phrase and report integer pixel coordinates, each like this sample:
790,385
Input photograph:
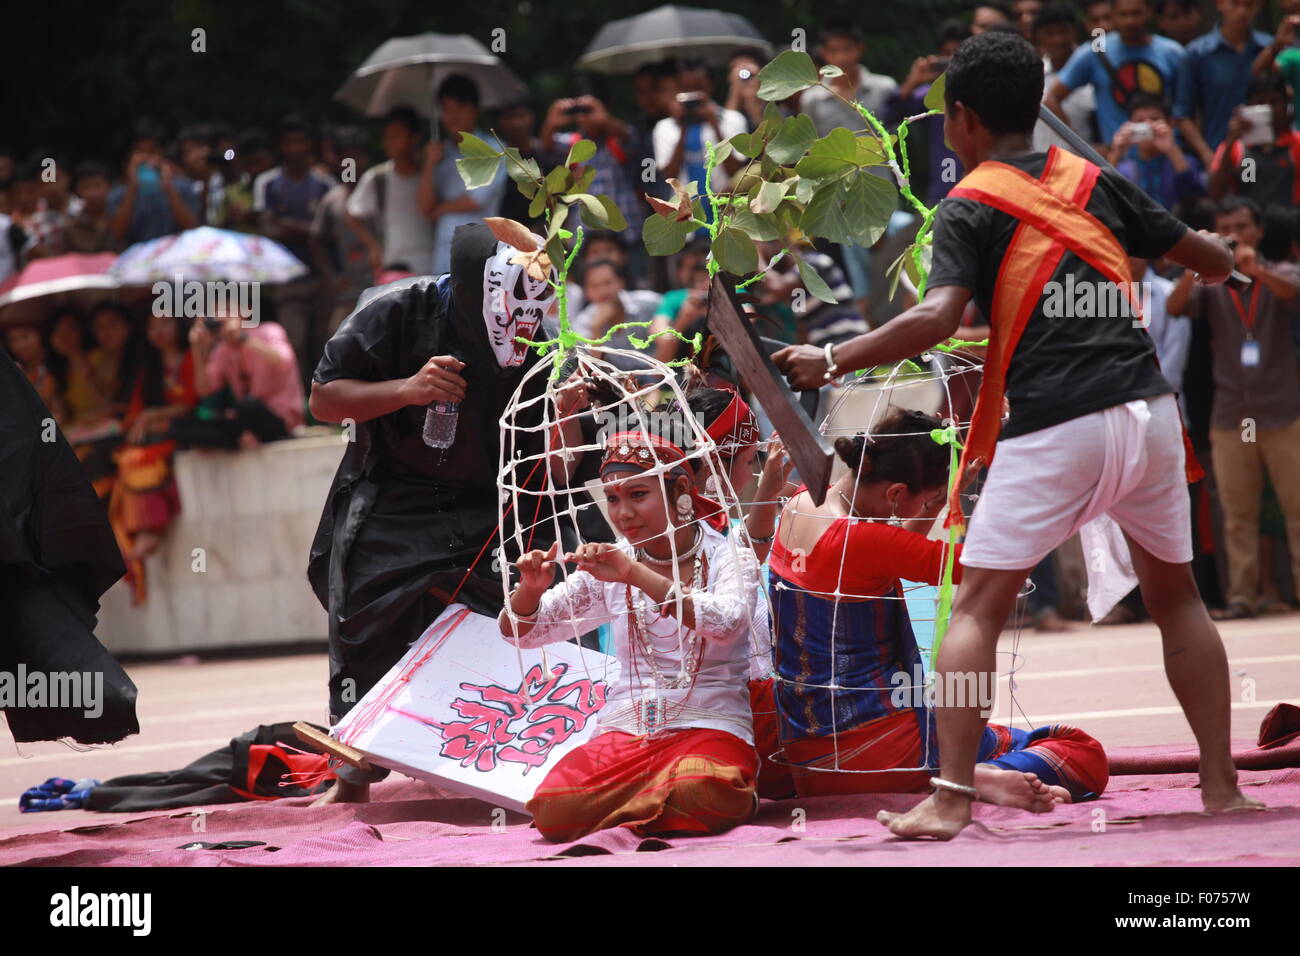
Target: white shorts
1126,461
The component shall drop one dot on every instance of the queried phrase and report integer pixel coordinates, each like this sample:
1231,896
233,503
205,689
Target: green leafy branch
553,196
797,182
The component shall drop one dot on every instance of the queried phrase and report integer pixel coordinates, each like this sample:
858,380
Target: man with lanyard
1255,422
1093,435
407,528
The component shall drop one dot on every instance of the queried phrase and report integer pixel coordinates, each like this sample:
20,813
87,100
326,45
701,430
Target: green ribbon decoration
943,614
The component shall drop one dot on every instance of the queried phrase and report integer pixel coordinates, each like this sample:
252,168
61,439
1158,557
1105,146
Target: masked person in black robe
408,527
57,557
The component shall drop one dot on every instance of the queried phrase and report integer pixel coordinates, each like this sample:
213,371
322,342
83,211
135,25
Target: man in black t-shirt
1093,430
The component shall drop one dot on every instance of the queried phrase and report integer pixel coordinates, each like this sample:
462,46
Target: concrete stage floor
1108,681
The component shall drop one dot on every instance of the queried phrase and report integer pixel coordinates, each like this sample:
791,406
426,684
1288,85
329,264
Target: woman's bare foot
941,815
343,792
1017,789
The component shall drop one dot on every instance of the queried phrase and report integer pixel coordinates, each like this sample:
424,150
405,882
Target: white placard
458,710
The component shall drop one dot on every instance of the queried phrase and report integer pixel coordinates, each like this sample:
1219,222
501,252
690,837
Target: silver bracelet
768,540
832,371
938,783
526,618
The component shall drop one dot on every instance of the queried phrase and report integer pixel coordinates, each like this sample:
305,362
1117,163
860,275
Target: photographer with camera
248,382
200,162
156,200
1145,152
1260,132
619,152
694,119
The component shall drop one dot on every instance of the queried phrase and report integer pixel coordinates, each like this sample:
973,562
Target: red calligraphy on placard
520,725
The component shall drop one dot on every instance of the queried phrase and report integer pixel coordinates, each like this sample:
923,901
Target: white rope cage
527,423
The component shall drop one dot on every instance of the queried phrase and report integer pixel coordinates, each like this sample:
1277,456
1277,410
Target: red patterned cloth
681,782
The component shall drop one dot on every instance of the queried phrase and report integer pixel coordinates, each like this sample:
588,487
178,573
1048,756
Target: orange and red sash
1052,220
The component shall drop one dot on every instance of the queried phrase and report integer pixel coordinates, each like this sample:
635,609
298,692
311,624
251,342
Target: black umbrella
624,46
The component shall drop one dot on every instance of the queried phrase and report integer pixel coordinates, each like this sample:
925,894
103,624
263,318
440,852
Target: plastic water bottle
440,424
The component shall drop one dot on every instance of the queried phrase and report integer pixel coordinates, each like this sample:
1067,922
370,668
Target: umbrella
406,71
207,254
624,46
75,279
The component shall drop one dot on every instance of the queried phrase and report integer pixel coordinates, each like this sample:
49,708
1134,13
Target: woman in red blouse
851,711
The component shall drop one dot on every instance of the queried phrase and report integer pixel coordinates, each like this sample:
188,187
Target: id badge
1250,353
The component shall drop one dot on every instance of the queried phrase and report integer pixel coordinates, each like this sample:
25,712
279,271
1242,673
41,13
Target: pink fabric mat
1142,820
1130,760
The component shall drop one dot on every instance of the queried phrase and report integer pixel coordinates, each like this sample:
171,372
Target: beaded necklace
652,712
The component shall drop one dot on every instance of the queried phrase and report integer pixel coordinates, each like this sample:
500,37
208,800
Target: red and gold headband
641,451
735,429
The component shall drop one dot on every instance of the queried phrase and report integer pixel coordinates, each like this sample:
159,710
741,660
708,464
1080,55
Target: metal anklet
938,783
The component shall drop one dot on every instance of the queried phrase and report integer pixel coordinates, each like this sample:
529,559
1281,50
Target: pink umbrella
75,279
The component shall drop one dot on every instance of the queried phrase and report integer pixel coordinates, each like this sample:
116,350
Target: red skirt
882,745
682,782
774,780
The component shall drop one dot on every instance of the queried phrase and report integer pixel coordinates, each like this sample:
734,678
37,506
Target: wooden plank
808,449
327,744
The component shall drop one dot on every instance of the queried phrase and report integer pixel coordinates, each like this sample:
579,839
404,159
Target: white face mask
514,304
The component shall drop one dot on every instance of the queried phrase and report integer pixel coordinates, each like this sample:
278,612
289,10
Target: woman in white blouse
674,751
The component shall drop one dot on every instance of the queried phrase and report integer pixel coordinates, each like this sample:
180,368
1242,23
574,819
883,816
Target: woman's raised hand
537,569
604,562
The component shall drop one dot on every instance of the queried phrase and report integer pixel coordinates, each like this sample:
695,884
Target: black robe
57,557
402,517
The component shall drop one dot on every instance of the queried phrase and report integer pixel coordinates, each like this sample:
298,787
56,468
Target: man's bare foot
1219,798
941,816
343,792
1017,789
248,441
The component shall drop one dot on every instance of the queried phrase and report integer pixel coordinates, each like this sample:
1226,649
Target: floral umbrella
206,254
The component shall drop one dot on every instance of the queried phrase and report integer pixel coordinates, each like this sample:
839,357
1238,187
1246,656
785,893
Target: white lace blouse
724,611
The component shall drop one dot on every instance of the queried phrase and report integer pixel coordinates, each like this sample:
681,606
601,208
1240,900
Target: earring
685,507
894,520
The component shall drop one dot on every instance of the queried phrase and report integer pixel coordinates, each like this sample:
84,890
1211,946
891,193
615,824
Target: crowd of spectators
1195,102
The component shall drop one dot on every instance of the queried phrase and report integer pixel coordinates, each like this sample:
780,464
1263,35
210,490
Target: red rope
496,530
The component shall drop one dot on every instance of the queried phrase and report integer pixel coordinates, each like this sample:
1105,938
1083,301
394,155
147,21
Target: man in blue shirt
1120,64
155,200
1214,76
442,195
290,206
